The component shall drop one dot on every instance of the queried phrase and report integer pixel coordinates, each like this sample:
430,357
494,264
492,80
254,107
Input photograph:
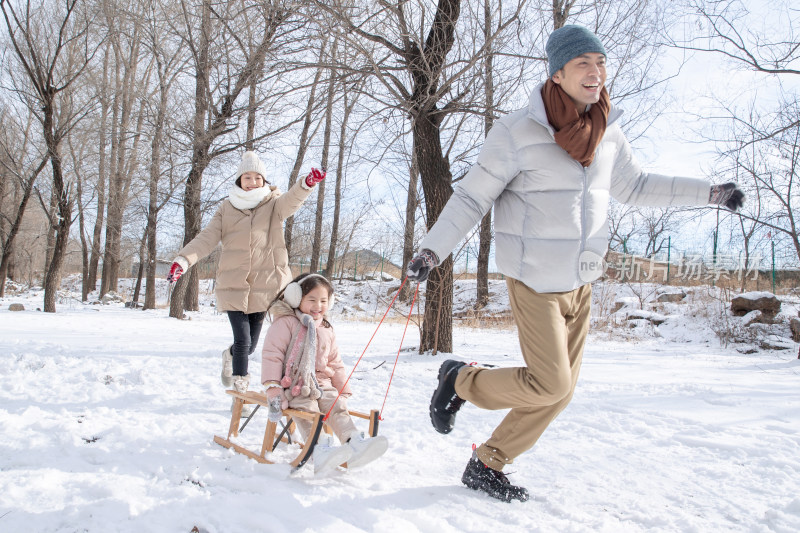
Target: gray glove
420,266
727,195
274,412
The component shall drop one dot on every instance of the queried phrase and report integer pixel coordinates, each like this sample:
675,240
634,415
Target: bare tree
412,204
213,110
169,63
15,163
656,225
764,151
316,243
723,28
758,147
350,92
51,62
622,226
302,146
485,233
100,186
406,46
78,154
125,37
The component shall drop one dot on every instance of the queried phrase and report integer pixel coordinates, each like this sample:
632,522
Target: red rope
367,346
411,310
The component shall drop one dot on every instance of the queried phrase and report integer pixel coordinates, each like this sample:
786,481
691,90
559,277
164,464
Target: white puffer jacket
551,229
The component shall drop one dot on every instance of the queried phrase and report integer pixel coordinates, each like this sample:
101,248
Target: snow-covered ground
108,415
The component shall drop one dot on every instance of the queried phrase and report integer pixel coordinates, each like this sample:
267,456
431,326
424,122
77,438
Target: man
549,170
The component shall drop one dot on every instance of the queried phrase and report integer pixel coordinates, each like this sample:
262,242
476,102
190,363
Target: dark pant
246,329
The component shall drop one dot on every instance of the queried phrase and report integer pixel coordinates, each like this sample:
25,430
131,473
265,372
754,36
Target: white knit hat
251,163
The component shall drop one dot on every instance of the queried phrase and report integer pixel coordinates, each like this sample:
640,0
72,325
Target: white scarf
242,199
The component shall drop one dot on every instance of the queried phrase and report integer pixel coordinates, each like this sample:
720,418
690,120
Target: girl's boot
366,450
240,384
327,456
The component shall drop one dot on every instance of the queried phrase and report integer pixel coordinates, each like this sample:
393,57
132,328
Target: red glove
175,273
314,177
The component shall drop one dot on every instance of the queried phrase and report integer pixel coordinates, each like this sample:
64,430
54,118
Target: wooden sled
270,442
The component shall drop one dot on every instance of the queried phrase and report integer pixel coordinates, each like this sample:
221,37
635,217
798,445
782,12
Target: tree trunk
316,244
185,294
120,178
140,271
186,288
485,235
561,10
252,104
152,207
51,231
64,213
412,201
301,153
425,67
3,269
484,248
8,245
337,197
84,244
100,188
437,331
113,184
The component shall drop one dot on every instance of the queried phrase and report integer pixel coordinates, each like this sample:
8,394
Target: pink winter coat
330,370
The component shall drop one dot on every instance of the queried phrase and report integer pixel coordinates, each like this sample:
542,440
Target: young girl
302,369
254,264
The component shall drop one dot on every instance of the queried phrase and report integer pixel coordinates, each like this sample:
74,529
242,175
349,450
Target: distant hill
362,263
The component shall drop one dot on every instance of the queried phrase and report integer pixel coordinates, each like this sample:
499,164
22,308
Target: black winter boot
478,476
445,403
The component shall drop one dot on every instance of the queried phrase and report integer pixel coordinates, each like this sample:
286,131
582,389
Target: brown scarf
578,134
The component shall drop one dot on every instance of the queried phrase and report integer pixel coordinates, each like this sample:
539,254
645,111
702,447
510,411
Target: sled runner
271,441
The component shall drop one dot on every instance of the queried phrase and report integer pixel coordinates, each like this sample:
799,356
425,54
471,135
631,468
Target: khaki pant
339,420
552,332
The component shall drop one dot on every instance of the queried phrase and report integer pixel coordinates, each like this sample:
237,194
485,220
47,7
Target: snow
755,295
108,416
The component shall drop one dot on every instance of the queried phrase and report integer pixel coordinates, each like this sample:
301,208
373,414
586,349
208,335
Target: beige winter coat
254,263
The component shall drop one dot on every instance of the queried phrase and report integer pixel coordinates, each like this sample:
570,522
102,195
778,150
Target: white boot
226,377
327,457
366,450
240,383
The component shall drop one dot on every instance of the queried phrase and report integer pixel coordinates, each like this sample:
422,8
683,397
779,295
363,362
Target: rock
627,301
747,350
753,317
766,302
673,297
774,342
654,318
794,325
16,307
110,297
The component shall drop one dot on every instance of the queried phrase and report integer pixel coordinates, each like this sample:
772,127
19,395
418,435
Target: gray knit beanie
568,42
251,163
